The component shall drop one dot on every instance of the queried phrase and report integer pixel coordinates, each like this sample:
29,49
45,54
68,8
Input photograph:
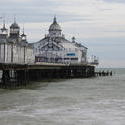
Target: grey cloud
44,10
116,1
35,11
107,48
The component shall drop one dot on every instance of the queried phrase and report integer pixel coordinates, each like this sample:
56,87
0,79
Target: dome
14,25
55,26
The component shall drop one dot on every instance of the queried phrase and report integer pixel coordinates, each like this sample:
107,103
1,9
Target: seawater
91,101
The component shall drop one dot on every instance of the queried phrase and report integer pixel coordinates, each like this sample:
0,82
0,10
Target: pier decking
21,74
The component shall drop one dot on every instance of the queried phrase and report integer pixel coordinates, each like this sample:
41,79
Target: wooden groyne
17,75
104,73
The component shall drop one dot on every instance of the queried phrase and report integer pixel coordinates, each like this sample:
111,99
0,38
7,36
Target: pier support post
5,78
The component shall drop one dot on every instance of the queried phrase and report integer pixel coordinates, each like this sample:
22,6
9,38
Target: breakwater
104,73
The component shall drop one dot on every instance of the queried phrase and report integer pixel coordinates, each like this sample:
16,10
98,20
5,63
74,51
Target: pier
52,57
17,75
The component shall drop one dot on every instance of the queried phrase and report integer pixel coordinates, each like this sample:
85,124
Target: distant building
14,47
54,47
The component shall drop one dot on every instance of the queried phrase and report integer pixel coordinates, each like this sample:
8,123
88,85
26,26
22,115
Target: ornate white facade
14,47
54,47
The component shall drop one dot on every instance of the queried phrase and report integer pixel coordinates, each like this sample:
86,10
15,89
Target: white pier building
55,48
14,47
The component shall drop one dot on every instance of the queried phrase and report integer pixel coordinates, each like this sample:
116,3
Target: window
70,54
74,58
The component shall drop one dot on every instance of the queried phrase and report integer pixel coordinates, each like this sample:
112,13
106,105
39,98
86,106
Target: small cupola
23,36
73,39
14,30
4,30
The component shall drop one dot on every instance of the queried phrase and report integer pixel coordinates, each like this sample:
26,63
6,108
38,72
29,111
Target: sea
87,101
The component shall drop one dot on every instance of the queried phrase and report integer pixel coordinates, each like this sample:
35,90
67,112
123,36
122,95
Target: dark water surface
93,101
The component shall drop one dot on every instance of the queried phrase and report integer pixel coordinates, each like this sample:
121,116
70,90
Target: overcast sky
97,24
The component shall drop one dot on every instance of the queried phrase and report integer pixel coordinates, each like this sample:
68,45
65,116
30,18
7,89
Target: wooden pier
17,75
